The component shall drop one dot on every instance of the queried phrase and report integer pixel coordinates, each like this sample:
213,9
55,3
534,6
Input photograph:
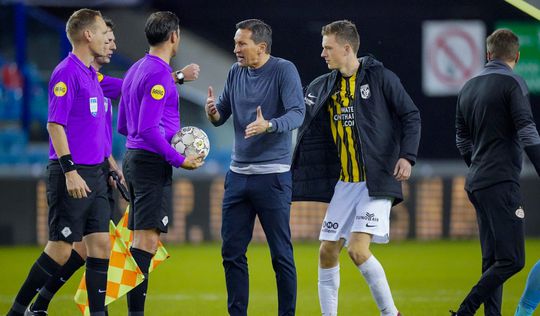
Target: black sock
137,296
96,284
57,281
41,271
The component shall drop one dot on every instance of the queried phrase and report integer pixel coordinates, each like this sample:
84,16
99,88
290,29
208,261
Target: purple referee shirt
76,102
148,111
111,89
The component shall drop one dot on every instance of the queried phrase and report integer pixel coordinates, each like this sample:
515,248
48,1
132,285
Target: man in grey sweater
263,93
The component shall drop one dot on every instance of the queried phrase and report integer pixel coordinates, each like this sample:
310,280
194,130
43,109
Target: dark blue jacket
388,124
494,123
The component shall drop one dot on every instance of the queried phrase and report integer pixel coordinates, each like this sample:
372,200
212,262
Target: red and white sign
452,53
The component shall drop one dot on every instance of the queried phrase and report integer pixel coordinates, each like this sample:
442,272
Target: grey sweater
276,87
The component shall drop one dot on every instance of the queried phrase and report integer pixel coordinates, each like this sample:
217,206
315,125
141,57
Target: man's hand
193,162
191,72
113,166
258,126
211,111
76,186
402,171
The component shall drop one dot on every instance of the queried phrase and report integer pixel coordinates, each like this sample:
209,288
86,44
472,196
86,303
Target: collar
497,63
159,60
89,70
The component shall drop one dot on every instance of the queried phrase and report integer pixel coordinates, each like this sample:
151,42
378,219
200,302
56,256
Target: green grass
427,278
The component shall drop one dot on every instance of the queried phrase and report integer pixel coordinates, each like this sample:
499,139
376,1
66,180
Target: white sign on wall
452,53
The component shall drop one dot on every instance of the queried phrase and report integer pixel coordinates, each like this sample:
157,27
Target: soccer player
76,187
263,93
358,142
493,123
148,115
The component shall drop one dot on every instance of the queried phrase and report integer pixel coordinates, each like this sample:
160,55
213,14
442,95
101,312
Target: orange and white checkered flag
123,274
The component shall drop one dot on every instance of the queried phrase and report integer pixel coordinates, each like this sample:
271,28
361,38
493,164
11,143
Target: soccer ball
191,141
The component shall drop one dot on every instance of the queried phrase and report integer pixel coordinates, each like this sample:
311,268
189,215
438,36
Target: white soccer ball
191,141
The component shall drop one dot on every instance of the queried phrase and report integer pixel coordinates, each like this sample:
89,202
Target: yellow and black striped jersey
341,109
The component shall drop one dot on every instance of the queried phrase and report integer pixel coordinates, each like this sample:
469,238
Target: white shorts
353,210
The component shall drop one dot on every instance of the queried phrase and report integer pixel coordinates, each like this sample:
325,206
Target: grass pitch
426,278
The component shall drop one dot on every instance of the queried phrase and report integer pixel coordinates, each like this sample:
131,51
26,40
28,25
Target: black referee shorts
149,179
70,219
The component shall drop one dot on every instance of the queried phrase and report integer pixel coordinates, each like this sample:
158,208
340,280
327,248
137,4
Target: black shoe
452,313
30,312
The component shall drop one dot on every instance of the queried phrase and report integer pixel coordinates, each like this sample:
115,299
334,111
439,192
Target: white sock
328,290
373,272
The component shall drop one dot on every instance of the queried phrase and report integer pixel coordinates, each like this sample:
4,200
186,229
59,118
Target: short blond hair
345,31
79,21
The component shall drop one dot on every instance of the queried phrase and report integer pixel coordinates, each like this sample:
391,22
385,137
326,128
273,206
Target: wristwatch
179,77
270,127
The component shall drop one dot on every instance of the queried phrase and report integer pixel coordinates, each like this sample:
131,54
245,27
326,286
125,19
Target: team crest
364,91
93,106
520,213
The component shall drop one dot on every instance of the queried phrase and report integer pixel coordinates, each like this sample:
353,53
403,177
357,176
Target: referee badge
157,92
364,91
93,106
520,212
99,77
60,89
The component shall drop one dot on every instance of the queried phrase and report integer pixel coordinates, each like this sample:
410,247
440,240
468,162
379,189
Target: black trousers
500,221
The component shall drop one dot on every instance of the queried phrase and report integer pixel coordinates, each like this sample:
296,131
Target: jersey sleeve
112,87
62,91
153,101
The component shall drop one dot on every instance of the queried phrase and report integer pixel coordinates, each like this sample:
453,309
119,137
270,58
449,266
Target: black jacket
493,122
388,125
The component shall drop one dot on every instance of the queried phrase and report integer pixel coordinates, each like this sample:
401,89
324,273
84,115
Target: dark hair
345,31
503,44
79,21
109,23
160,26
260,32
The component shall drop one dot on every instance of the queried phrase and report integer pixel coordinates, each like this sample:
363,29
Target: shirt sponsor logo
60,89
99,77
364,91
157,92
93,106
346,116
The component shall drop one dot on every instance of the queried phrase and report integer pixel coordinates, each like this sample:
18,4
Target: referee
148,115
493,122
76,187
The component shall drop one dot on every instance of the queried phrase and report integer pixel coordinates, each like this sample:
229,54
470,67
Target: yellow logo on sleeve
99,77
60,89
157,92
